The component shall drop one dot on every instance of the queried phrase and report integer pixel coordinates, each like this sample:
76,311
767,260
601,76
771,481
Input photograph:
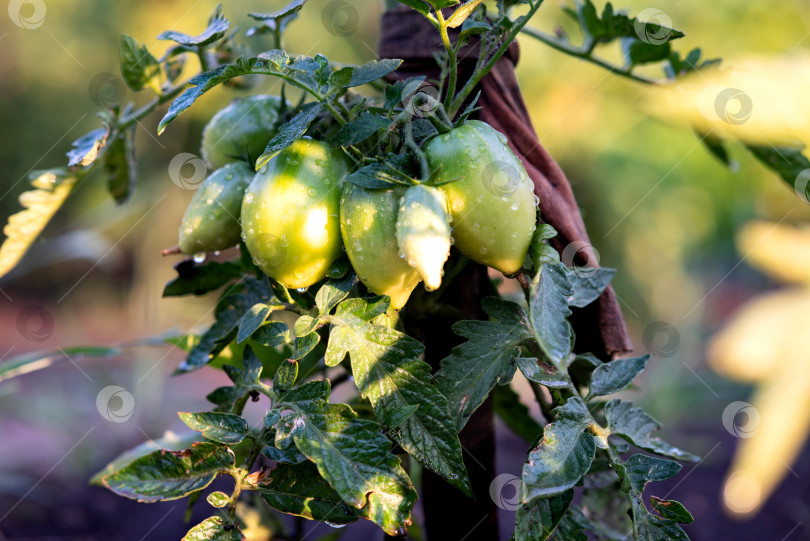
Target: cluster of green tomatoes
297,214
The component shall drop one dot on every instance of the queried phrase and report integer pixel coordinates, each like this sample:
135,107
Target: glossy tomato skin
240,131
211,221
368,220
290,213
493,204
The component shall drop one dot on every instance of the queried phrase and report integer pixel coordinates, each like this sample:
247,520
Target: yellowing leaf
780,251
52,188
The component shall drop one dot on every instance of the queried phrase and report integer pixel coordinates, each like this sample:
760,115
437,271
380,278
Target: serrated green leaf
462,13
214,529
309,397
564,454
539,251
353,456
138,67
291,8
272,334
217,28
120,166
195,279
332,292
286,374
514,413
649,527
252,320
289,132
169,475
672,510
170,441
612,377
388,371
642,469
613,25
306,324
202,83
640,52
373,70
366,309
539,371
52,188
300,490
472,28
304,345
220,427
86,148
588,286
375,176
356,131
548,311
485,360
636,426
572,527
537,520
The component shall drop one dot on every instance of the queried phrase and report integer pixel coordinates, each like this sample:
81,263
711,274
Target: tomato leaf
461,14
289,132
220,427
418,5
636,427
332,292
388,371
138,67
169,475
672,510
650,527
298,489
286,374
217,28
540,371
373,70
52,187
214,529
642,469
486,359
290,9
548,311
120,166
87,147
588,286
612,377
170,442
196,279
539,250
564,454
356,131
352,455
538,519
252,320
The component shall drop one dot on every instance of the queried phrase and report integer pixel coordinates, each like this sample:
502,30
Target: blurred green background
658,207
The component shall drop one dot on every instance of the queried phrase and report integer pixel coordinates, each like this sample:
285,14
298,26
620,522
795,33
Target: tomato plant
408,186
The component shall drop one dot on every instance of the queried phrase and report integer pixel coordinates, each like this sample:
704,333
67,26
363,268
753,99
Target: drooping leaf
290,9
120,167
636,426
642,469
196,279
373,70
537,520
169,475
548,309
539,251
87,147
612,377
462,13
220,427
588,286
37,360
138,67
515,414
356,131
388,371
672,510
354,457
539,371
289,132
419,5
298,489
472,28
214,529
217,28
376,176
52,187
650,527
564,454
169,441
486,359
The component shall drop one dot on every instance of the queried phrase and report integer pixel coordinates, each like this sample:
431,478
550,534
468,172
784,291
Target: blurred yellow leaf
780,251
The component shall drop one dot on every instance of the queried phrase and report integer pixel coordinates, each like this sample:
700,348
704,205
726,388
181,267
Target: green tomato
211,221
290,213
368,223
240,131
423,232
493,204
